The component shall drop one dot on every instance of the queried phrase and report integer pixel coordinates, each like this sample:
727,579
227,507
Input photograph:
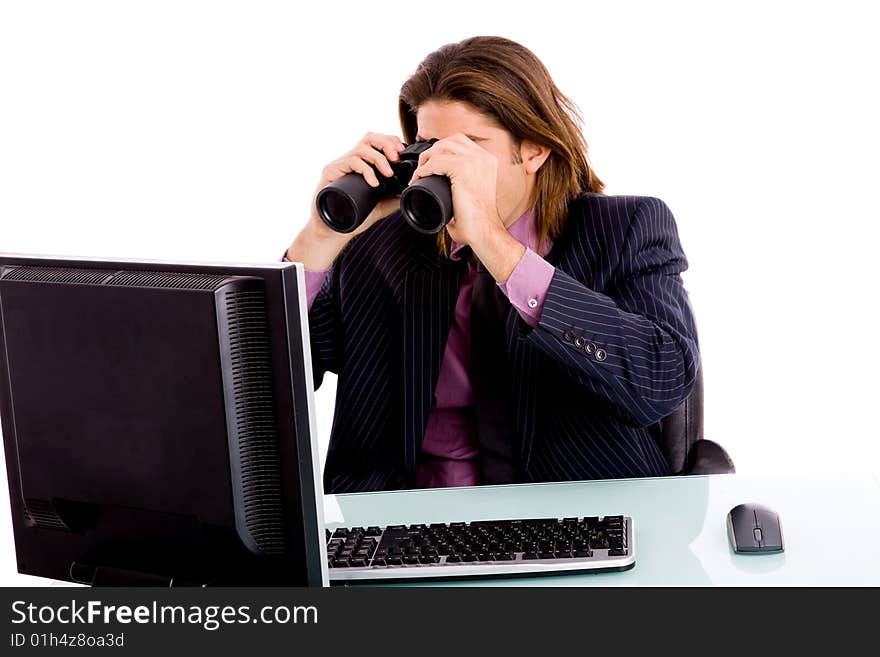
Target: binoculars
426,204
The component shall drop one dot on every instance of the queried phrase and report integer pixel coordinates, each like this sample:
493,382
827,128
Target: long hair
506,81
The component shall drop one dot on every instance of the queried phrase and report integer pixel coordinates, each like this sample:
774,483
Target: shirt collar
523,230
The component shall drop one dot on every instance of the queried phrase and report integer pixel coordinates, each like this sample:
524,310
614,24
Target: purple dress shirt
450,448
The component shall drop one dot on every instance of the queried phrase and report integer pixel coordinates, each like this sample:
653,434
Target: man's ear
533,156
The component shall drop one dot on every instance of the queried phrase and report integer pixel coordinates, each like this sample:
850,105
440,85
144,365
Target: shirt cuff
527,286
314,281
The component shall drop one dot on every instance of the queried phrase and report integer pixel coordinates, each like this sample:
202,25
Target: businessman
540,336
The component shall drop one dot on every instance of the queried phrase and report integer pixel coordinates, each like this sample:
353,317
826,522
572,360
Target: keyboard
486,548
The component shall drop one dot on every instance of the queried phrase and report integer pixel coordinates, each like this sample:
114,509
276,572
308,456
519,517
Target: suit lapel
429,297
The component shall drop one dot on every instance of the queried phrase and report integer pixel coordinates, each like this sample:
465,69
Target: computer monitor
158,422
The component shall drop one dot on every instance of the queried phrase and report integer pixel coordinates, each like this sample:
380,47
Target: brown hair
506,81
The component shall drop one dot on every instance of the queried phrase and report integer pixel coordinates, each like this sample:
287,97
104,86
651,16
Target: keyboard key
378,562
394,561
453,558
340,533
429,559
617,553
583,553
469,557
340,563
530,555
410,560
373,531
357,563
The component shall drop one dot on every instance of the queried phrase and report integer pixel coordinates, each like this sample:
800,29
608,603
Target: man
539,337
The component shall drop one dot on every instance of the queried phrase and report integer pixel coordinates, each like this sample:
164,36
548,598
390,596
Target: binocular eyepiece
426,204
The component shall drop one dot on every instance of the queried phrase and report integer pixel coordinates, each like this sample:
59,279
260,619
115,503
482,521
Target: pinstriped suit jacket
614,352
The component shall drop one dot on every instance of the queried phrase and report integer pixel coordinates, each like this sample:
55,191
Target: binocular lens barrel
345,203
427,204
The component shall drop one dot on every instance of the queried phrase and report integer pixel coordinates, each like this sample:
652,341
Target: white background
197,130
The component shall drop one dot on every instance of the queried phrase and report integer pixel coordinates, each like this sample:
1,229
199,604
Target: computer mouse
754,529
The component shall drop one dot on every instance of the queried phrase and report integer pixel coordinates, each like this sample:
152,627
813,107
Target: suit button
589,347
579,342
533,303
569,336
600,354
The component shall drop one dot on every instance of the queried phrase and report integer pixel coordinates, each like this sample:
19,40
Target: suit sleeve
314,282
635,345
325,324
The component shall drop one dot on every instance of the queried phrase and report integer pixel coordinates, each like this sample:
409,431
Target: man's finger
357,165
388,144
375,158
439,165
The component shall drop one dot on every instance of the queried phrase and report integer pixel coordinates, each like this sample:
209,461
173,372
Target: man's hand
472,172
317,245
373,150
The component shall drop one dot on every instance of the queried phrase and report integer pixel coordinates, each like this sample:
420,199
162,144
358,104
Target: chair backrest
679,430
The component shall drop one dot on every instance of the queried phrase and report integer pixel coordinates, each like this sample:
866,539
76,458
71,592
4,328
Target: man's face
440,119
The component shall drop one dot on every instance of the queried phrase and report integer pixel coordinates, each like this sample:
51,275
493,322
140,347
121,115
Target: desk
680,530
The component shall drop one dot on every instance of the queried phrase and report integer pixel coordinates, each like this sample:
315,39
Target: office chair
680,436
